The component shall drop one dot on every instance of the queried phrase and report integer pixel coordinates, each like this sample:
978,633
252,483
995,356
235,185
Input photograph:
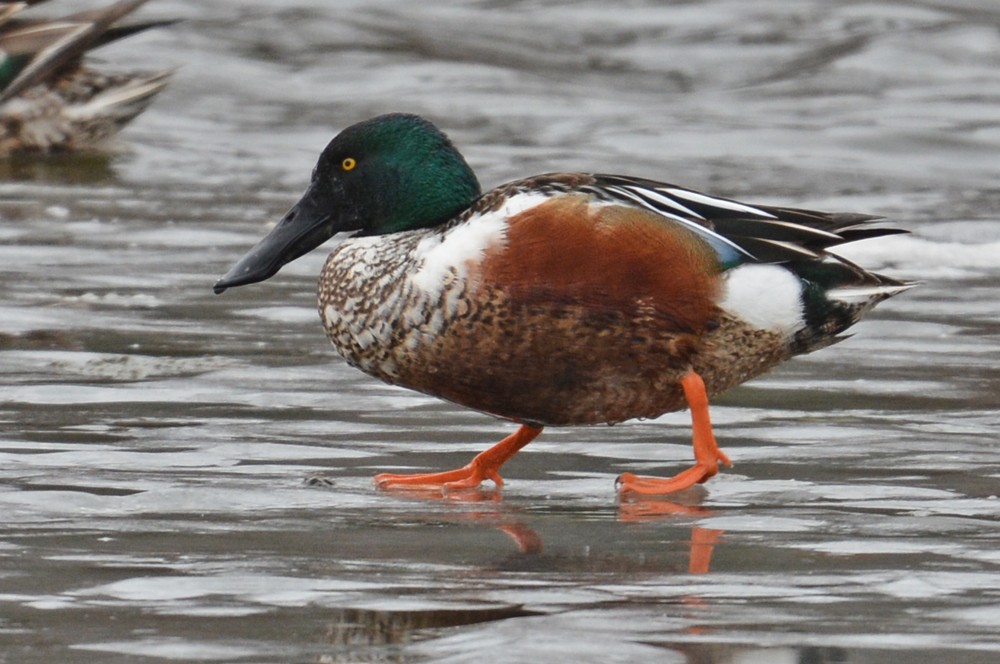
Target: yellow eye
348,164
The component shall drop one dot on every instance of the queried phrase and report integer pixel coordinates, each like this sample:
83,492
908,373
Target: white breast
443,257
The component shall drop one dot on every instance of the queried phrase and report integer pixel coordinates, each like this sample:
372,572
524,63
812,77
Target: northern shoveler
49,101
560,299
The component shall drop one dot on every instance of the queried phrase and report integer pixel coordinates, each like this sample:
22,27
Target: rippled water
154,438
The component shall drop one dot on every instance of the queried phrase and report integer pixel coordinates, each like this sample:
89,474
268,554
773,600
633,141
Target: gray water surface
155,438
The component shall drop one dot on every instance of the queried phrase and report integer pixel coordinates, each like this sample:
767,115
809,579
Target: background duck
561,299
50,101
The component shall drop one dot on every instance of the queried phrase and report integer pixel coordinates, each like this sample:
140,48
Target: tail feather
98,117
872,294
836,293
122,102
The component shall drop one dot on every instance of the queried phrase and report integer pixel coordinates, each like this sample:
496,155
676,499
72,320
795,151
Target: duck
564,299
50,101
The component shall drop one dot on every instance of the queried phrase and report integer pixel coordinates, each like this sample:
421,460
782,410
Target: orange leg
707,454
486,465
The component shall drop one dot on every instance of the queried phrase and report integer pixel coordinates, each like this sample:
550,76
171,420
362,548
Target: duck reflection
491,511
616,543
356,627
72,168
381,635
633,508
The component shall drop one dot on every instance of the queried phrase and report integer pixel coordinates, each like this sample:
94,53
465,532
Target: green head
389,174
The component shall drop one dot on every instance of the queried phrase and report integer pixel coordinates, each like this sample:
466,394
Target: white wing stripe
802,228
631,195
715,239
695,197
666,200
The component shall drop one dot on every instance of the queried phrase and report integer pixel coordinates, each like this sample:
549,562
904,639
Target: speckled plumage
561,299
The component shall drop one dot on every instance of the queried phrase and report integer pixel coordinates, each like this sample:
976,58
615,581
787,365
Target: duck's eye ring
348,164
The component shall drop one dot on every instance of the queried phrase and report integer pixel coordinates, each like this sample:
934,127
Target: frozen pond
155,438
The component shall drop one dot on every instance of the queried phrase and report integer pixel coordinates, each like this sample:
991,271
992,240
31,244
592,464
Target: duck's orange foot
659,486
706,466
467,477
486,465
707,454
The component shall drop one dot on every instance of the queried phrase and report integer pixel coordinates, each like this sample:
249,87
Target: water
155,438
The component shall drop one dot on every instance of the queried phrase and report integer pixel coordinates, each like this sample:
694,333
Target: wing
564,249
760,233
